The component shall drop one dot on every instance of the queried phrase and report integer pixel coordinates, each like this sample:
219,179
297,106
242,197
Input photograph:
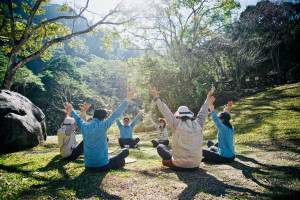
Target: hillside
266,166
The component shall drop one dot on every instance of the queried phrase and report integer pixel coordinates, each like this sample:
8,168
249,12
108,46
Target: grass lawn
267,128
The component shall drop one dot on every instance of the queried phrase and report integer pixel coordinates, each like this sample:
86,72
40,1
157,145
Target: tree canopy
182,47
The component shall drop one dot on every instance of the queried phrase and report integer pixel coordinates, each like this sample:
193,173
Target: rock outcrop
22,124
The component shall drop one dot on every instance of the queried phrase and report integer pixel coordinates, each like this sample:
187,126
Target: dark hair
162,120
126,118
226,117
100,114
184,118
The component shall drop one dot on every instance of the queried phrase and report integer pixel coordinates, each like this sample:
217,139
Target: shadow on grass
277,191
86,185
294,171
201,182
291,145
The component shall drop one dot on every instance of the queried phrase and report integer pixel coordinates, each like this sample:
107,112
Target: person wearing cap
95,137
186,152
224,152
69,149
126,132
162,132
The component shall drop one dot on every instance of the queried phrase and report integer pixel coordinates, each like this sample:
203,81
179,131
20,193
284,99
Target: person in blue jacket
126,132
95,137
224,151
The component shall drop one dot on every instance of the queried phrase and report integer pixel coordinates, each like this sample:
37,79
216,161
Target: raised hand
109,111
211,103
141,112
69,107
211,91
230,104
130,93
85,107
152,91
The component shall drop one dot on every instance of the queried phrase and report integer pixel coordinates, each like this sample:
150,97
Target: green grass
267,164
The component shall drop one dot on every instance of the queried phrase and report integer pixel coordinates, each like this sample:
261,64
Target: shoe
210,143
135,146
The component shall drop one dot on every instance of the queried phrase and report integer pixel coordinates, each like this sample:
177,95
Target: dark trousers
128,141
156,143
212,155
115,161
76,152
166,155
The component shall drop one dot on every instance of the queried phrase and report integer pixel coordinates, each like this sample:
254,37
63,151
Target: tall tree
26,37
179,29
264,38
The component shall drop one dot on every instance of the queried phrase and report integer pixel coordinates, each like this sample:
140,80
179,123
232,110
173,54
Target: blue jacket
95,137
126,131
225,137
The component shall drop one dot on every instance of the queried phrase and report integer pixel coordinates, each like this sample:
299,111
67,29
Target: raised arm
70,128
217,122
203,113
121,108
214,115
152,122
77,118
119,123
83,110
165,111
228,107
132,124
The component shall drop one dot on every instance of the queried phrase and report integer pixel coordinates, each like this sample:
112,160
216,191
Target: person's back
95,143
95,137
187,138
226,142
224,152
69,149
187,144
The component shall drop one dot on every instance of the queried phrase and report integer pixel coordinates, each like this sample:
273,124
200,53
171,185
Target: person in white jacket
162,132
186,152
69,149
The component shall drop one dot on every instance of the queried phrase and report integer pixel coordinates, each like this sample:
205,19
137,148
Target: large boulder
22,124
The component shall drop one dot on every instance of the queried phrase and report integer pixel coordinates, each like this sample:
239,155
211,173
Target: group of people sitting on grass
186,154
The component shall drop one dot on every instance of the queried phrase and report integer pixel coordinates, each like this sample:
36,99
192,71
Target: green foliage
172,82
24,80
265,39
39,37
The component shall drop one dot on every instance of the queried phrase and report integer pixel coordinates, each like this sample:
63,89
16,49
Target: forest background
183,48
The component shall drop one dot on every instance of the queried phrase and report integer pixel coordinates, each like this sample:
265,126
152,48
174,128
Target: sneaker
135,146
210,143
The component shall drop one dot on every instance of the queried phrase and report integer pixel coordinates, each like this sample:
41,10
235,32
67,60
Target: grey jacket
162,133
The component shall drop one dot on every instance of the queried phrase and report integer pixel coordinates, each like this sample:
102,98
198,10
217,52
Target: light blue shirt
126,131
95,137
225,137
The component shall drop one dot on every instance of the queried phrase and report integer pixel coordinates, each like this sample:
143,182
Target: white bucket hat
69,120
184,111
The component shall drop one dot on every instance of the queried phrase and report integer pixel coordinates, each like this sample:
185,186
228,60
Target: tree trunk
10,72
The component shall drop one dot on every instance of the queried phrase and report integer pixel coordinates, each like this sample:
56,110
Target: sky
103,6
